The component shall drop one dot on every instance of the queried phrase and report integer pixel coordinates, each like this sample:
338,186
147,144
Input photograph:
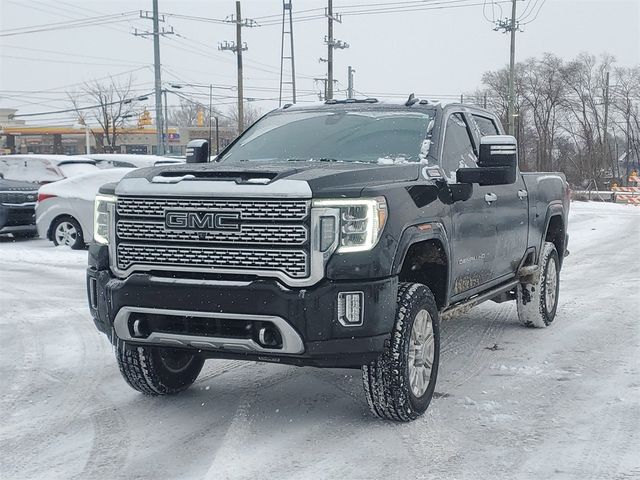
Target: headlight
101,218
361,222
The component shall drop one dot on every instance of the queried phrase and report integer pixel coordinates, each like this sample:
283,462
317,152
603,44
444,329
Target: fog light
351,308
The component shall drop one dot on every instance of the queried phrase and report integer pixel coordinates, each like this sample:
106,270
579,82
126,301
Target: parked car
64,212
17,208
44,169
120,160
332,235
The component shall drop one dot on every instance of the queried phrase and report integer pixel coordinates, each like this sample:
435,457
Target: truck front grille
292,262
263,236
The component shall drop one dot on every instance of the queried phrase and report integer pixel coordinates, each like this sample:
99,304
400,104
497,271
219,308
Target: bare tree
186,115
111,105
251,114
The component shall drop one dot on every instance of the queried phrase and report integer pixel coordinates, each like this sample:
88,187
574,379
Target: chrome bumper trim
291,341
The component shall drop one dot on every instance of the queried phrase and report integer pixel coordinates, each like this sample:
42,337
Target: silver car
64,212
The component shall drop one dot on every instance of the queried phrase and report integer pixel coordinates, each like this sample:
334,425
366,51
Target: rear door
474,230
510,206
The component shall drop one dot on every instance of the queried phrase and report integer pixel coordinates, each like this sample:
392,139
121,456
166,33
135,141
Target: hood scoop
252,178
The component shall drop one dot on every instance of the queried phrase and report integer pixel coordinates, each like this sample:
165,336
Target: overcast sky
439,52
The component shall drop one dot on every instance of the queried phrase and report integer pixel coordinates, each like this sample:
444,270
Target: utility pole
210,113
287,7
350,72
510,25
238,47
332,44
240,79
605,142
166,125
157,32
512,70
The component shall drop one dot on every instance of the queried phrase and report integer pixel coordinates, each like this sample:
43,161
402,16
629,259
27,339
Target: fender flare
419,233
554,209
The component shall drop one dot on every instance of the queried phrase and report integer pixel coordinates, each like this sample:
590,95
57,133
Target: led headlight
361,221
101,218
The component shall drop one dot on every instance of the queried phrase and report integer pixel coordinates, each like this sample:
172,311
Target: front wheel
400,383
538,301
158,371
67,231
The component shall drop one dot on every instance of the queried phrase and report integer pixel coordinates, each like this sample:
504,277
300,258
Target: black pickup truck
330,235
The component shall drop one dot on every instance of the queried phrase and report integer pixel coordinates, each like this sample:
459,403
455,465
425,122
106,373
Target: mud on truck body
331,235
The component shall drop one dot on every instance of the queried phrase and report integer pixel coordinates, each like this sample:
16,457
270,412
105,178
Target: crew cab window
457,151
486,126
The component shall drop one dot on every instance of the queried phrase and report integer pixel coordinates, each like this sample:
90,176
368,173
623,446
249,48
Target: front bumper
310,313
17,219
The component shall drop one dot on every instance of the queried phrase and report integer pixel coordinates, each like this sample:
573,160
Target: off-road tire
533,310
145,369
78,243
386,379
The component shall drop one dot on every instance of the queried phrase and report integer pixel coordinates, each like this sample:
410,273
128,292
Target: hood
322,178
17,186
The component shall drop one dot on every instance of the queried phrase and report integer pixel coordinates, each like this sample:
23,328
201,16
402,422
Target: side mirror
197,151
497,165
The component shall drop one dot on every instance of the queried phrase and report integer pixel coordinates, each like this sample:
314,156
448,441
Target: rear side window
457,151
486,126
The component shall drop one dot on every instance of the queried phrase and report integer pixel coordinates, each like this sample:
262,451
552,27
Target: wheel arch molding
423,256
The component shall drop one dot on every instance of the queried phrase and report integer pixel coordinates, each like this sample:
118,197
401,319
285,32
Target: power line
79,23
68,110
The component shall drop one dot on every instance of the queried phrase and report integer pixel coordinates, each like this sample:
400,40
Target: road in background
511,402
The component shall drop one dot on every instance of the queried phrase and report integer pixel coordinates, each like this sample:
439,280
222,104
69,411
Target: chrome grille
292,262
271,237
249,209
249,233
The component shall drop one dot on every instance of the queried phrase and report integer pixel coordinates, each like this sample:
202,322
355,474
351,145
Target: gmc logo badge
181,220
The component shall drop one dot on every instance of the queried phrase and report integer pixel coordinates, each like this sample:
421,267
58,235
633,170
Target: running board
466,305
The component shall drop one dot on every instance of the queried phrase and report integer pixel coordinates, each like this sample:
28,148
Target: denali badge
182,220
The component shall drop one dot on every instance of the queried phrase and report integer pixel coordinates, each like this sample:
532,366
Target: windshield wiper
321,159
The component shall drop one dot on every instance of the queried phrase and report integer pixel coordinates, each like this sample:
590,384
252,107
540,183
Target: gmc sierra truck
330,235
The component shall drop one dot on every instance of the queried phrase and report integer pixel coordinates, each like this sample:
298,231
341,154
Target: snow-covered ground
563,402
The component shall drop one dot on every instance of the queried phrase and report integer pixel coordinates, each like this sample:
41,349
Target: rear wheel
538,301
67,231
399,384
158,371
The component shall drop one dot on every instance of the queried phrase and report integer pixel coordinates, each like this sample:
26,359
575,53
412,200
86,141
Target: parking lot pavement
511,402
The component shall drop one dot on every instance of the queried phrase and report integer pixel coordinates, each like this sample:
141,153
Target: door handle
490,198
522,194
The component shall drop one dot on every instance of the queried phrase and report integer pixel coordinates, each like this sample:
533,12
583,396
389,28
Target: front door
511,205
474,222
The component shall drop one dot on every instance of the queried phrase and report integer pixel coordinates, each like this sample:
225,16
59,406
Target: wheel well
60,217
556,235
426,262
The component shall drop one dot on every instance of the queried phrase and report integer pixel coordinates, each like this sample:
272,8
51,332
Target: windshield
365,136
